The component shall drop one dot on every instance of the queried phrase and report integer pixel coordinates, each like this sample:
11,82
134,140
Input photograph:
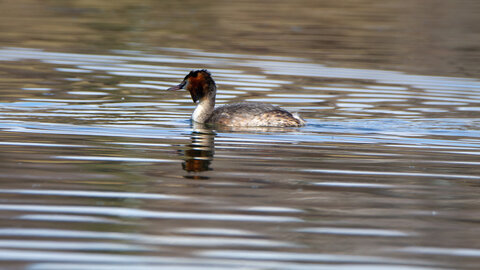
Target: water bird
203,90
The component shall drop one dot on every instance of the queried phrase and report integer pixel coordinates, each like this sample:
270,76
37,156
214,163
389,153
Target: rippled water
102,168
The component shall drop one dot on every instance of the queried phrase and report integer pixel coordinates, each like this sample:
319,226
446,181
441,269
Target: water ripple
115,159
355,232
411,174
94,194
138,213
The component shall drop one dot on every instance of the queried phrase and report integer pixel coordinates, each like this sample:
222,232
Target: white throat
203,110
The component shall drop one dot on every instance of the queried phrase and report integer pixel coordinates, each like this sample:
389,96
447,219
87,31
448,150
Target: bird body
203,89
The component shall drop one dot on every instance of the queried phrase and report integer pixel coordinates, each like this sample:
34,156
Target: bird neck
204,109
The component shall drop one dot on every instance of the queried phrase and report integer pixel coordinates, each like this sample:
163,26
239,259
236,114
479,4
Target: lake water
102,168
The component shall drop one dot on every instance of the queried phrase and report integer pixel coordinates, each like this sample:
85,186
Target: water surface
102,168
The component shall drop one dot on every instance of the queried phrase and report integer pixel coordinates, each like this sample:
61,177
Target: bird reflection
198,155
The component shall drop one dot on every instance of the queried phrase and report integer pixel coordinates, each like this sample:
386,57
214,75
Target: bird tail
299,118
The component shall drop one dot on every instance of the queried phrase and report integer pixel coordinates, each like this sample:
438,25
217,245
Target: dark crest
194,73
200,85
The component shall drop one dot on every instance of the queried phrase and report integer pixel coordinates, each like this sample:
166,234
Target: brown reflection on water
430,37
199,154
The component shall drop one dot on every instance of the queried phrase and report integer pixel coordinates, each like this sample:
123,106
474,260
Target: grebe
202,88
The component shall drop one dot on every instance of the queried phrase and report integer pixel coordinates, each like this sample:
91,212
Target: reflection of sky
117,65
359,131
399,101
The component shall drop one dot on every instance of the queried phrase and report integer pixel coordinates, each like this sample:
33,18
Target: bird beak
175,88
